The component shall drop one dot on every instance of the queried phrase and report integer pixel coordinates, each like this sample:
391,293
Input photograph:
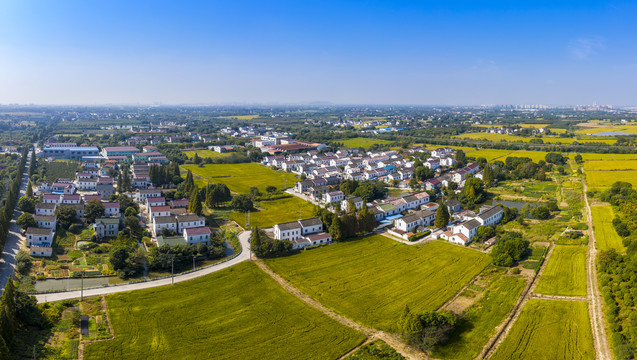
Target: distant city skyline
285,52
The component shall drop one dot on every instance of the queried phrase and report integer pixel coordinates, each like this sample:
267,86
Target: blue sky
345,52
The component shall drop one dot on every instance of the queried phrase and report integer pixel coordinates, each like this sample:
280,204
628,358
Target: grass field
239,117
565,273
489,154
605,233
206,154
631,128
609,165
236,313
60,169
240,177
371,279
608,157
478,323
362,142
523,139
276,211
600,180
548,329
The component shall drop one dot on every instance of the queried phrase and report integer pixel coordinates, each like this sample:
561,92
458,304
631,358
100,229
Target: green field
54,170
241,177
600,180
206,154
607,157
489,154
275,212
362,142
609,165
630,128
236,313
371,279
548,329
523,139
605,233
565,273
479,321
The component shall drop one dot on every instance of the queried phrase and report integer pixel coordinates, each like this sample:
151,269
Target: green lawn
236,313
479,321
362,142
549,329
241,177
276,211
206,154
565,273
605,233
371,279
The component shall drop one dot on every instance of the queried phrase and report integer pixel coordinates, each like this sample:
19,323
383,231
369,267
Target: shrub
76,229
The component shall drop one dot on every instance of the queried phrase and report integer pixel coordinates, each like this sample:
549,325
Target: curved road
14,238
245,255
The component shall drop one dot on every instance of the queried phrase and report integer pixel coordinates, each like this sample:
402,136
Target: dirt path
556,297
504,328
391,339
602,347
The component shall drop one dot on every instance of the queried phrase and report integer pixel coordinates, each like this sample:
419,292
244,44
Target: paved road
245,255
14,238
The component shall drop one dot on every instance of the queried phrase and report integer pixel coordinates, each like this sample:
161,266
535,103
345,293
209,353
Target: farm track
557,297
493,343
390,339
602,347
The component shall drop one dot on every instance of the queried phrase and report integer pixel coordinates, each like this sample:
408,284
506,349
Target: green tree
26,220
94,209
271,189
541,212
131,211
66,215
442,216
197,207
336,229
578,159
132,222
487,176
27,204
241,202
29,191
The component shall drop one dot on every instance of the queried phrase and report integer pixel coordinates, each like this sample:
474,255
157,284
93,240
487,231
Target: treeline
345,226
11,199
367,190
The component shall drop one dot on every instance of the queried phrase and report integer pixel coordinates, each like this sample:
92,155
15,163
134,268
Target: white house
311,226
288,231
334,196
420,218
52,198
197,235
188,221
142,194
490,216
314,239
68,199
44,251
45,221
156,201
111,209
47,209
86,184
164,222
106,227
39,236
358,202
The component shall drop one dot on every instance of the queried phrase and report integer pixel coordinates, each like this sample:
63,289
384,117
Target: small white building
141,195
68,199
161,223
45,221
40,237
52,198
188,221
41,251
197,235
47,209
158,211
334,196
288,231
111,209
156,201
358,203
106,227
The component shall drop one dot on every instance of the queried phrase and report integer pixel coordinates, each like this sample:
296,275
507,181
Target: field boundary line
495,341
596,314
82,347
391,339
559,297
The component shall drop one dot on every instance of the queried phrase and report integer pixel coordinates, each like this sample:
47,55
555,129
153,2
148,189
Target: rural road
14,238
244,238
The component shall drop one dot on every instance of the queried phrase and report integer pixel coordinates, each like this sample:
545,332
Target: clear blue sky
348,52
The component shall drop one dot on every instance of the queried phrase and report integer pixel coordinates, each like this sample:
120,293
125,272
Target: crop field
549,329
489,154
610,165
373,278
206,154
480,320
615,128
533,155
276,211
362,142
600,180
608,157
239,117
605,233
60,169
240,177
236,313
524,139
565,273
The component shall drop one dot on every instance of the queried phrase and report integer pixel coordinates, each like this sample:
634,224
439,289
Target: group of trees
161,175
367,190
11,198
265,247
426,329
509,248
18,310
344,226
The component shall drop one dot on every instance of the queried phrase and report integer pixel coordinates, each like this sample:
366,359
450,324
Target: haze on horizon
381,52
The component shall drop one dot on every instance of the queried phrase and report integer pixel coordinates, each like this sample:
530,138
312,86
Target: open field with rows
610,165
489,154
239,117
205,154
236,313
371,279
362,142
608,157
523,139
241,177
601,180
479,321
548,329
565,273
605,233
629,128
276,211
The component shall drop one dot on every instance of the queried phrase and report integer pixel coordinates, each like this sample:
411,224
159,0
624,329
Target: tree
366,220
24,261
241,202
508,248
132,222
26,220
94,209
193,198
487,176
65,214
131,211
578,159
197,207
442,216
255,239
555,158
271,189
541,212
118,257
29,191
27,204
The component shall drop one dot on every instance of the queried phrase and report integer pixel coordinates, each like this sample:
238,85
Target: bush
418,236
84,246
515,271
76,229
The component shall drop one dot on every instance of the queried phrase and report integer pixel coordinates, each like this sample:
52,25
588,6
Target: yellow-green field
240,177
239,117
489,154
205,154
548,329
362,142
236,313
523,139
600,180
565,273
608,157
275,212
610,164
605,233
371,279
630,128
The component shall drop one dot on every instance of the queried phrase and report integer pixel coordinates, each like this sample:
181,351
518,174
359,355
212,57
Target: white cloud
582,48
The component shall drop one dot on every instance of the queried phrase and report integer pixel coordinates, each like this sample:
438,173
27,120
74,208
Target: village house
197,235
156,201
161,223
356,200
45,221
52,199
106,227
187,221
40,236
111,209
47,209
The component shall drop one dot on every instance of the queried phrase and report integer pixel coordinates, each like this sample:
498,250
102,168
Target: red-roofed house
111,209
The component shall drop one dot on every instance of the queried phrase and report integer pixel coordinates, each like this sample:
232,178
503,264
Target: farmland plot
565,273
241,177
